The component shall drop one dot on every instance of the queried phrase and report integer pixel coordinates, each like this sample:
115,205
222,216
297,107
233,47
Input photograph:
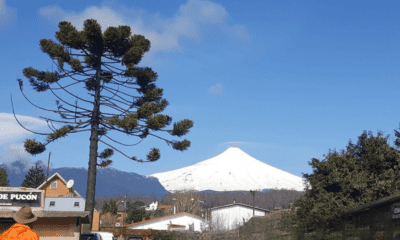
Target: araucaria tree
93,66
34,178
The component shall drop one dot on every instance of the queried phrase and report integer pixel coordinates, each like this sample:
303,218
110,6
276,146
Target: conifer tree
4,182
106,208
364,172
113,207
94,66
34,178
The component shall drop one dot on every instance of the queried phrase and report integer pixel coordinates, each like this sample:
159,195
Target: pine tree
94,67
34,178
106,208
4,182
364,172
113,207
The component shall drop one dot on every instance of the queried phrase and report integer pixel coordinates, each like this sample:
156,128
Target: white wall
64,204
162,224
231,217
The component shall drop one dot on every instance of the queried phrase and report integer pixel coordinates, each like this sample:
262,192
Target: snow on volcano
232,170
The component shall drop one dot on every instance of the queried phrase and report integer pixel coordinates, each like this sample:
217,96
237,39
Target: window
53,185
76,204
52,203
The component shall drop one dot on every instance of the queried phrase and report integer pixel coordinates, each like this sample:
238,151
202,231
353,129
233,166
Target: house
60,198
380,217
182,221
153,206
259,224
231,216
57,225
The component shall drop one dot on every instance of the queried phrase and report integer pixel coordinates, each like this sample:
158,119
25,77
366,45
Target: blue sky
283,80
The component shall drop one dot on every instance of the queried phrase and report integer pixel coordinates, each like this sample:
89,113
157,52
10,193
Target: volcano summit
232,170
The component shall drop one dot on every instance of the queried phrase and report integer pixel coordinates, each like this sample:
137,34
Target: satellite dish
70,183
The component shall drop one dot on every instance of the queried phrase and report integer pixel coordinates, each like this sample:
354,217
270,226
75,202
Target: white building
153,206
182,221
231,216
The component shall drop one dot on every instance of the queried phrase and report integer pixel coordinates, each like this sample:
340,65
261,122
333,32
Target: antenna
70,183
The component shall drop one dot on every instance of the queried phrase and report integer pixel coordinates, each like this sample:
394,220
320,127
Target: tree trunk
91,182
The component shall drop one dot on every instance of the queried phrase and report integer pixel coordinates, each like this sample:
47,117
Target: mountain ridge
232,170
109,181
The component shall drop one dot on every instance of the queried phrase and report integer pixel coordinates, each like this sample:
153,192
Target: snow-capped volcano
232,170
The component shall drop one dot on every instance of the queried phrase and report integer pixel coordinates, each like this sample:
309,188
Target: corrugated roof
175,225
239,204
49,214
164,217
165,206
375,203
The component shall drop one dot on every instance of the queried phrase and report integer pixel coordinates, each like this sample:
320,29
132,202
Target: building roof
120,207
62,180
375,203
239,204
51,214
20,188
165,206
175,225
164,217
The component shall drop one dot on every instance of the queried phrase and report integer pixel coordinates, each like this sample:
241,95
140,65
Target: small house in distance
182,221
232,216
58,197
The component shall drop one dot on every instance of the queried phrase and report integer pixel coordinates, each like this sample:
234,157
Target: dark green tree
4,182
138,204
95,67
364,172
34,178
135,213
113,207
106,208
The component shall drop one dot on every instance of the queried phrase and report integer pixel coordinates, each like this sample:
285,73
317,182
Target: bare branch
34,104
72,95
87,110
66,86
20,123
132,158
123,143
109,100
108,65
121,92
168,141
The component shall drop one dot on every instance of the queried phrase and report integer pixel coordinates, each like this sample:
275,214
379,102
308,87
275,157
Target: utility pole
48,164
47,177
252,193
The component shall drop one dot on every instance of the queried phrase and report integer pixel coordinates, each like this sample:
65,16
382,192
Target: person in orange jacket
22,229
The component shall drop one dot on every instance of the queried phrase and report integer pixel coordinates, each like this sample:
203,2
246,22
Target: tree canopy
4,182
362,173
94,67
34,178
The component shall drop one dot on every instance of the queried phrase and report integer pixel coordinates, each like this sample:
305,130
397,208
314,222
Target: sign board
19,199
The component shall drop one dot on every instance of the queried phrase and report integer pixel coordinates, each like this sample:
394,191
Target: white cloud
16,153
8,14
11,131
165,34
